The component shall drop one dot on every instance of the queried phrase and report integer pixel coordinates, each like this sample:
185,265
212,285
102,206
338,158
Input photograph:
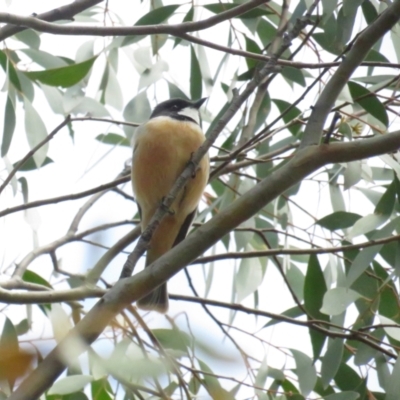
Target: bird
162,148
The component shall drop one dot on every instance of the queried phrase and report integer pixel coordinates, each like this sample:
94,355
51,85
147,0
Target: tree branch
33,151
69,197
43,26
128,290
64,12
360,48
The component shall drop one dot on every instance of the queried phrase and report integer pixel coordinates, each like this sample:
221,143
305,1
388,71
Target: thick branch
131,289
360,48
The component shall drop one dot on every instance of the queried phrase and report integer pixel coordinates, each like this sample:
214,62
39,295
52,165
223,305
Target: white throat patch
191,113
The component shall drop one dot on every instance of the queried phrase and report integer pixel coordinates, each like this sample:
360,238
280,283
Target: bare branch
33,151
69,197
43,26
64,12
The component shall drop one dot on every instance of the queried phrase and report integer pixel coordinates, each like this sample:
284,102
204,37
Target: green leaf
196,84
10,70
188,18
392,331
221,7
331,360
347,379
367,224
30,164
345,24
154,17
9,126
337,300
70,384
266,32
248,278
368,101
393,385
382,369
63,76
338,220
305,371
314,291
369,11
173,339
35,131
374,55
137,110
9,338
175,92
387,201
367,255
29,37
212,385
290,115
114,139
33,277
294,75
343,396
158,15
252,47
22,327
293,312
101,390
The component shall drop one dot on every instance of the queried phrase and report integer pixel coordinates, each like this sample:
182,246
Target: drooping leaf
212,384
393,385
221,7
331,360
337,300
64,76
173,339
36,132
314,291
338,220
70,384
290,115
305,371
8,127
387,201
368,101
33,277
30,164
196,81
114,139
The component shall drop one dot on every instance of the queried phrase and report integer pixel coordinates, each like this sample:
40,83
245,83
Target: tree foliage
287,287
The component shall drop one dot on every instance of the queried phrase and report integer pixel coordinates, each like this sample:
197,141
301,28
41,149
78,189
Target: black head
182,110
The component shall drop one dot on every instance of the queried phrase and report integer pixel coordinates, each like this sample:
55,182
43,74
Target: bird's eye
175,107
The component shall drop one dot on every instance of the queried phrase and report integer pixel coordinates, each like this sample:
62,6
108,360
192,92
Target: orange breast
162,149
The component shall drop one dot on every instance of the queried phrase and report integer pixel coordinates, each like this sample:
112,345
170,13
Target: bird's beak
200,102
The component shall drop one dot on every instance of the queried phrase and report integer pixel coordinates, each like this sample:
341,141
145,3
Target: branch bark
42,26
131,289
64,12
358,51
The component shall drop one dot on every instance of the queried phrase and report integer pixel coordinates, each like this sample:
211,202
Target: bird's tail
157,300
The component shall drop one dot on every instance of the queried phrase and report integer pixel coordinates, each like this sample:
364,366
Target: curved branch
33,151
43,26
69,197
279,252
64,12
128,290
354,57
